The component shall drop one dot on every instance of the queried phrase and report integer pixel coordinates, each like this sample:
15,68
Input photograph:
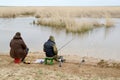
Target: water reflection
108,31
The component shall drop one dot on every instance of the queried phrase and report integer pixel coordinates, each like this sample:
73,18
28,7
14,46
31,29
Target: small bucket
17,60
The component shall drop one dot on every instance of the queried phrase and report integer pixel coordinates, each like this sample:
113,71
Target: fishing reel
61,60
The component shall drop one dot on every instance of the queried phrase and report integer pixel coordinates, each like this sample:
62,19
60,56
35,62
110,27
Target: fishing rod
61,57
83,58
66,44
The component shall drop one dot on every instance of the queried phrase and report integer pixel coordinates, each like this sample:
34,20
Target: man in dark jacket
50,48
18,47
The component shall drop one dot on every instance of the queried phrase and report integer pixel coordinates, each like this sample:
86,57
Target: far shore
50,11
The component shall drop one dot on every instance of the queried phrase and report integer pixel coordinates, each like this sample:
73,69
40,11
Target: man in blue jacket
50,48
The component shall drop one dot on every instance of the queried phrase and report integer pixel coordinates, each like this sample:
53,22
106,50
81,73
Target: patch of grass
8,15
28,13
109,22
61,75
37,16
40,72
102,63
69,24
116,65
97,24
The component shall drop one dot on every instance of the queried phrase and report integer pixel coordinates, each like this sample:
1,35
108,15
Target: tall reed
109,22
95,12
67,23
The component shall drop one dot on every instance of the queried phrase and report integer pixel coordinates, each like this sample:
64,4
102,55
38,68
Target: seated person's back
50,47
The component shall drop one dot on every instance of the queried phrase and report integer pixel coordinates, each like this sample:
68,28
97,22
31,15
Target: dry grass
12,12
103,63
70,70
64,17
69,24
109,22
96,12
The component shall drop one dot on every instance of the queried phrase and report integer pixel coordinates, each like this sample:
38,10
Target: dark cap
18,34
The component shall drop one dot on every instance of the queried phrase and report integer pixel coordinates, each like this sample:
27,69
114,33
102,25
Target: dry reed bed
12,12
64,17
69,24
96,12
72,25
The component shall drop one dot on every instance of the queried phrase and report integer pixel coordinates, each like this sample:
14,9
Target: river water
100,43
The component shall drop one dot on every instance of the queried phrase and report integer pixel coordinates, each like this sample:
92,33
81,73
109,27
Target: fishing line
66,44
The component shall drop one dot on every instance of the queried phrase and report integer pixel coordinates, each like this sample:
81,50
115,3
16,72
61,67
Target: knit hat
52,38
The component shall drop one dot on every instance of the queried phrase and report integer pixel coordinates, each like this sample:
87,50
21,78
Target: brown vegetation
109,22
64,17
69,24
103,63
95,12
12,12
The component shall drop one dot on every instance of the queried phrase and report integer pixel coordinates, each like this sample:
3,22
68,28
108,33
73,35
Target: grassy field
65,17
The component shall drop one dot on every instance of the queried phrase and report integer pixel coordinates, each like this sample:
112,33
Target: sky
59,2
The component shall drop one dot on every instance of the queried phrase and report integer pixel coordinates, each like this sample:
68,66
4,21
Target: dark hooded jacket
18,47
49,48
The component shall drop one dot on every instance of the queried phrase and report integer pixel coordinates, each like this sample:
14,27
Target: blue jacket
48,48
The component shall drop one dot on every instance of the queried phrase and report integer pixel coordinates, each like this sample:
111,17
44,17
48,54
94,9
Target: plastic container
17,60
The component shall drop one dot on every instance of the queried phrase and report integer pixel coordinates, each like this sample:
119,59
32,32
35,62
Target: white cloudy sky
59,2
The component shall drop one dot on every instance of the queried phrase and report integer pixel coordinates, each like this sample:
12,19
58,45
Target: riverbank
70,70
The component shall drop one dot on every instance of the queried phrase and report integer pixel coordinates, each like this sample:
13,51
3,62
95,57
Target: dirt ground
70,70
